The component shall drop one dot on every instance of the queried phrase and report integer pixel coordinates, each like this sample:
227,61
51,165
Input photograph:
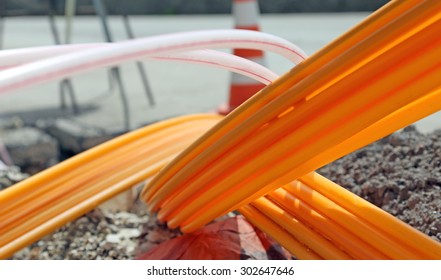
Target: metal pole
66,84
100,10
2,20
69,11
139,64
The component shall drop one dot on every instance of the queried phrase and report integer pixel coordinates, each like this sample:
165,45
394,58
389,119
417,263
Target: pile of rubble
101,235
35,147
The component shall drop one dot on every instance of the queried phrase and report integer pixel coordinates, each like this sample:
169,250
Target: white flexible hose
106,55
19,57
225,61
14,57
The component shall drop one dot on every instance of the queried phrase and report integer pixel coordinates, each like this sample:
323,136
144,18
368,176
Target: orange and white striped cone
246,15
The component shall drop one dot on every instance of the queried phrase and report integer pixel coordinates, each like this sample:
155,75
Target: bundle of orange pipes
359,89
46,201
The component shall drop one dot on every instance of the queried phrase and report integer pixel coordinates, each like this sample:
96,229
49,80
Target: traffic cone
246,16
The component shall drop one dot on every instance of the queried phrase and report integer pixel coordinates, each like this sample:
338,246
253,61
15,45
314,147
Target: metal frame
66,85
114,72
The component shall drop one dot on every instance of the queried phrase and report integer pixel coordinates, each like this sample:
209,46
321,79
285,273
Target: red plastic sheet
231,239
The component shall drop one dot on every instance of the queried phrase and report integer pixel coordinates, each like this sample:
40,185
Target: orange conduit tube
321,223
283,237
90,173
238,133
24,188
404,116
405,234
79,184
150,193
314,240
274,230
267,167
337,113
360,238
364,212
388,246
374,22
233,129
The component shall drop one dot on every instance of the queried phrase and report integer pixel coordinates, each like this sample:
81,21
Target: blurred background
71,116
176,7
176,88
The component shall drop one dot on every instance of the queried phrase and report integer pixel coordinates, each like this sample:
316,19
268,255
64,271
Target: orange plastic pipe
406,53
93,166
318,243
422,59
379,240
404,116
21,226
368,27
404,233
284,238
88,176
24,188
320,222
239,132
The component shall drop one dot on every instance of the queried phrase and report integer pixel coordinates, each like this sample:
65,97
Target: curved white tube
14,57
294,53
115,53
226,61
5,158
233,63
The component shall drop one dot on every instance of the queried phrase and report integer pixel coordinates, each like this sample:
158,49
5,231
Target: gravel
400,173
9,175
99,235
30,148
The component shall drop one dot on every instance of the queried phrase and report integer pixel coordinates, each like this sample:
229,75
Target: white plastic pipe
15,57
112,54
5,158
225,61
19,57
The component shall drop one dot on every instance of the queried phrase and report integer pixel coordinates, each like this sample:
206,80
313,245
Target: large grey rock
11,123
75,137
30,148
9,175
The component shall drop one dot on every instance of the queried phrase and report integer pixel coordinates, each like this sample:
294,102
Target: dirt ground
400,173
